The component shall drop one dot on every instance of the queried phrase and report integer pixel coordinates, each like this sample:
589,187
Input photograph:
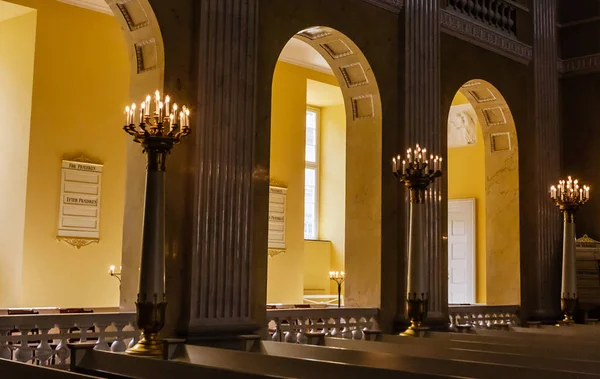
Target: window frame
315,166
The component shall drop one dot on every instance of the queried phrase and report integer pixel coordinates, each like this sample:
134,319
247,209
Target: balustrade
499,14
42,339
483,317
296,325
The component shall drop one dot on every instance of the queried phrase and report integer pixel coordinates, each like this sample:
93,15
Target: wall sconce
117,275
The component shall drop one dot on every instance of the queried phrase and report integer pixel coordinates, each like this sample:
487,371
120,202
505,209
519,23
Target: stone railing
497,14
42,339
298,325
484,317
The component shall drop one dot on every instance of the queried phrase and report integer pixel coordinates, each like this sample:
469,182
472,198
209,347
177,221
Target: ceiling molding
390,5
97,6
305,64
484,37
580,65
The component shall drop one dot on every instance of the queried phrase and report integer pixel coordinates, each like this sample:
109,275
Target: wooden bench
432,350
421,365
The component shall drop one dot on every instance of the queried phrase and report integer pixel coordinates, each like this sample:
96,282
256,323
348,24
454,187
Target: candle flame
143,105
175,107
167,99
157,94
148,98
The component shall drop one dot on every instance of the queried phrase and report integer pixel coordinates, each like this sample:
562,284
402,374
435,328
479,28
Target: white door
461,251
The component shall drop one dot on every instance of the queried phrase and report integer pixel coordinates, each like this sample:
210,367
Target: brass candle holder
417,172
157,133
338,277
569,196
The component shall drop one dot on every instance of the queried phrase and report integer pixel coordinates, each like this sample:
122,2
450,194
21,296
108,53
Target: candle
111,270
127,115
403,167
171,118
167,101
394,168
142,111
180,120
133,107
187,117
409,155
147,107
157,100
160,110
175,110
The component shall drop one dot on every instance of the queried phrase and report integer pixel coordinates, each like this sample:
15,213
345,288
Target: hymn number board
80,200
277,205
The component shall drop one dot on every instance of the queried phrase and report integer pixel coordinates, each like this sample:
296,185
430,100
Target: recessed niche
315,33
494,116
337,49
500,142
134,14
354,75
363,107
483,95
146,55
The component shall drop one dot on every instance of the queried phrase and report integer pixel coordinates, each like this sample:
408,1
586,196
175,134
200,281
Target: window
311,175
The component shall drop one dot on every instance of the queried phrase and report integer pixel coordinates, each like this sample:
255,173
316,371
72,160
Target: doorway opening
325,174
65,104
483,198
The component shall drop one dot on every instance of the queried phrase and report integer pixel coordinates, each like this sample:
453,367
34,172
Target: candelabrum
568,196
339,278
417,172
117,275
157,133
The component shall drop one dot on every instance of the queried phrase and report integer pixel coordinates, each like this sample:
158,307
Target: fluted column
227,269
423,126
542,289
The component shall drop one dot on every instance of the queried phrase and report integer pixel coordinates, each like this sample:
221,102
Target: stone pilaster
228,259
422,115
542,289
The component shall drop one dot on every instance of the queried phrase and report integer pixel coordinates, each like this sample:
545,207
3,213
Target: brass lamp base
569,307
149,345
417,312
150,320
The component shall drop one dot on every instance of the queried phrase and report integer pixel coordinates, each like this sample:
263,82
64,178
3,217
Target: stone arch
362,102
501,154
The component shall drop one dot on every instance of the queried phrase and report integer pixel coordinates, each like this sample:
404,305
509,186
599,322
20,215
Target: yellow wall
288,116
317,263
17,49
466,180
332,188
81,84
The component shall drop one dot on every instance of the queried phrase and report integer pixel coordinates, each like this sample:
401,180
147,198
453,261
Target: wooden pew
433,351
208,362
13,369
425,365
560,348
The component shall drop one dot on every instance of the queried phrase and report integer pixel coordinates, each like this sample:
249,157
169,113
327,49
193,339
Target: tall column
423,126
542,285
228,291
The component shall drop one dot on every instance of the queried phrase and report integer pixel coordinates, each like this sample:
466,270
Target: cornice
391,5
482,36
580,65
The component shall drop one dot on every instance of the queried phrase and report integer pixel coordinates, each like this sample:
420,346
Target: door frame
473,203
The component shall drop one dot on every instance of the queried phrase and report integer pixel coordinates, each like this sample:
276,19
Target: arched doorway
74,111
483,198
332,218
